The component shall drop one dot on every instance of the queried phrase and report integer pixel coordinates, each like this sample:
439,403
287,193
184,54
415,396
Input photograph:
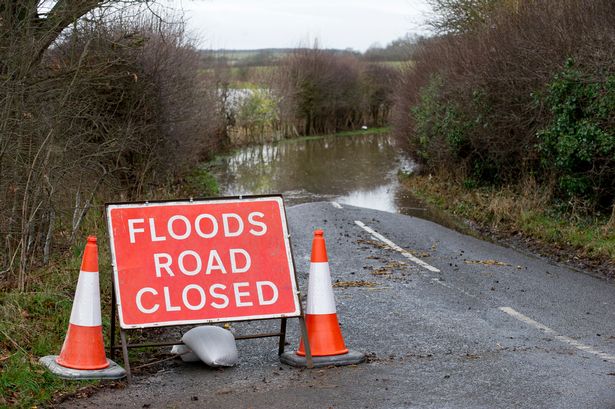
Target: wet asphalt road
493,328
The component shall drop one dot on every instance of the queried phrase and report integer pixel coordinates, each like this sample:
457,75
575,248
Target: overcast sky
250,24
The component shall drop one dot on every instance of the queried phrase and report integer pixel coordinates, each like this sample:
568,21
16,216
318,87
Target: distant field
242,54
241,75
254,74
248,68
398,64
272,55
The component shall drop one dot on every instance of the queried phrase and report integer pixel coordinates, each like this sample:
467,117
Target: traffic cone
83,346
327,345
323,328
83,352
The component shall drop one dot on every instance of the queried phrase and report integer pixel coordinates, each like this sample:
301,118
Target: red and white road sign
201,261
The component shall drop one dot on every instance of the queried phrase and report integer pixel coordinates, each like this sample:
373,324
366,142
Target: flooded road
356,170
447,320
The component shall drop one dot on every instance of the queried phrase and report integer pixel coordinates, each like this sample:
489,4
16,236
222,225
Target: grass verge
357,132
33,324
525,211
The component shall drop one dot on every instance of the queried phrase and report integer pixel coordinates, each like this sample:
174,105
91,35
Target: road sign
202,261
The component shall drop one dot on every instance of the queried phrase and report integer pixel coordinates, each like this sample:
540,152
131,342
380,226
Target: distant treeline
286,92
510,90
310,92
322,93
397,50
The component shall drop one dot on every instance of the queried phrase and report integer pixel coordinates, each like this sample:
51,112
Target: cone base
349,358
83,349
324,334
301,351
113,371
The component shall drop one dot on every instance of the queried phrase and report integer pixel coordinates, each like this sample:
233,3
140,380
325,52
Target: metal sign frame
124,345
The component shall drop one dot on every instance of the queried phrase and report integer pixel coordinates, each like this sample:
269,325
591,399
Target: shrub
319,91
256,117
378,83
441,132
578,143
483,97
323,92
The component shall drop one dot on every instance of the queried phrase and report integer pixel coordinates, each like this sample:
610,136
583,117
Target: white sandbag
213,345
185,353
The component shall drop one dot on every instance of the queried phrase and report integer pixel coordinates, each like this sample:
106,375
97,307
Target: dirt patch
389,268
487,262
380,245
373,243
359,283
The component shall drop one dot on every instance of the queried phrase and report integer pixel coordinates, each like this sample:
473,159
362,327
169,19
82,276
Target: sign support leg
306,342
282,336
112,335
125,353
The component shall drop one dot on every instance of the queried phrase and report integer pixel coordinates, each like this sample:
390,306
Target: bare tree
460,16
320,90
29,27
115,108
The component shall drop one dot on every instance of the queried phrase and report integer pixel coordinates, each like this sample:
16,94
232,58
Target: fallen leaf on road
374,243
382,272
386,270
487,262
360,283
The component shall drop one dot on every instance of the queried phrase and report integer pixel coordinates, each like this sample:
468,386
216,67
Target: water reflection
359,170
315,169
379,199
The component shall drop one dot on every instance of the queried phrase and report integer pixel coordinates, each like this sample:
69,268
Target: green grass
525,209
369,131
244,85
242,77
358,132
201,183
34,323
590,237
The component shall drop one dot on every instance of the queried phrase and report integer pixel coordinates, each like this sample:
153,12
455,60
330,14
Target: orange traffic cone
327,345
83,346
323,328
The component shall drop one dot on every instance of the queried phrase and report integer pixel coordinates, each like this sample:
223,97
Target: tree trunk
25,34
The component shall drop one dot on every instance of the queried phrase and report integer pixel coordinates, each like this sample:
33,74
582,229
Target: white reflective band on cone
320,293
86,306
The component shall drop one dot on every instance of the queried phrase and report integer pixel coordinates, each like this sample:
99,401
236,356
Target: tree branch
62,15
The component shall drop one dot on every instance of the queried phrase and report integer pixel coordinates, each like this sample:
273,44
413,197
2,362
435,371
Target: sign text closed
201,261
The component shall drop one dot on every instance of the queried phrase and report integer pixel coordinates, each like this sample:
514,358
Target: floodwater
356,170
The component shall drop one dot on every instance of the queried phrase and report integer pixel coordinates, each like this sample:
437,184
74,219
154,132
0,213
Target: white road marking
562,338
396,247
444,284
336,205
